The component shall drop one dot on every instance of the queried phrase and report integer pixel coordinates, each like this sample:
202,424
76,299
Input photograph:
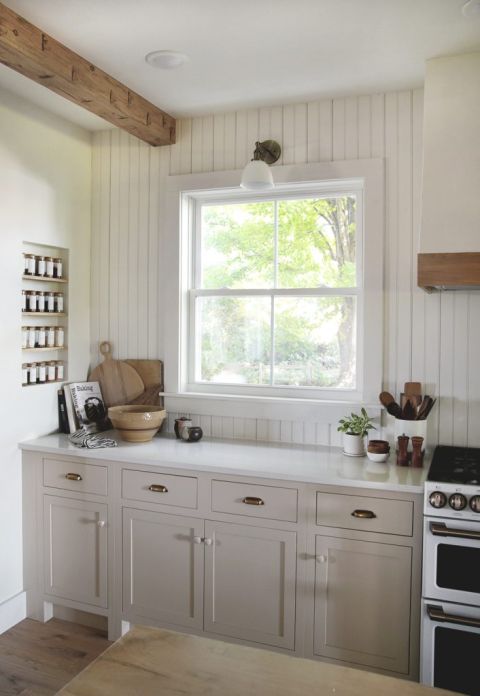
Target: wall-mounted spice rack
44,279
44,301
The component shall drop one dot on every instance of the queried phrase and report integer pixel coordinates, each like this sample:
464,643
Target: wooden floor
38,659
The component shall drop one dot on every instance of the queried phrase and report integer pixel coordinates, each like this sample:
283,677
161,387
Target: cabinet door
362,603
75,537
163,568
250,577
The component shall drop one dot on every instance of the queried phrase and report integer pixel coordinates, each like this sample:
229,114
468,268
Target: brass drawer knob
158,488
253,500
364,514
73,477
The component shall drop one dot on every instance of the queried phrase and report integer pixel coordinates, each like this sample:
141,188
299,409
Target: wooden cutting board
120,383
151,372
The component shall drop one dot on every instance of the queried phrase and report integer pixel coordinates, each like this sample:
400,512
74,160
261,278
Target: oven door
451,560
450,647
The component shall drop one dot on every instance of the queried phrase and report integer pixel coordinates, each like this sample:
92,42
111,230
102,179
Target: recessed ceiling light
166,60
471,9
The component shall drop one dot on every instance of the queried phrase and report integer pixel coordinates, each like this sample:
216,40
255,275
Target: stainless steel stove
451,571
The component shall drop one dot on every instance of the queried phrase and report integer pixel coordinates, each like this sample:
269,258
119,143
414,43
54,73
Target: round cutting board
119,382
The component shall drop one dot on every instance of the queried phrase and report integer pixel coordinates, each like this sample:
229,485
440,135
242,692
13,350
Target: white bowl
376,457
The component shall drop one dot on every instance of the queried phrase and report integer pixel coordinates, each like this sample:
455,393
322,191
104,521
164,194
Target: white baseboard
12,611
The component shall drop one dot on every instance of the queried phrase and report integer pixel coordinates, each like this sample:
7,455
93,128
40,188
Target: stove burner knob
457,501
475,503
437,499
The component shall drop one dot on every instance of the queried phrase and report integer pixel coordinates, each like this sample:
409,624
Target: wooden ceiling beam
31,52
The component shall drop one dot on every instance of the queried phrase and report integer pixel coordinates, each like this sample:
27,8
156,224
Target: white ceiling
249,52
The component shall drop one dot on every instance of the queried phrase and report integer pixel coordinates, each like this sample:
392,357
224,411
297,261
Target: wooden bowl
137,423
378,446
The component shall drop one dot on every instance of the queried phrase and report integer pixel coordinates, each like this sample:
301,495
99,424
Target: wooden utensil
119,382
409,412
412,388
431,404
387,400
423,407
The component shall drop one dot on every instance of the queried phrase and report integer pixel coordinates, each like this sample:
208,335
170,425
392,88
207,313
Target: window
276,292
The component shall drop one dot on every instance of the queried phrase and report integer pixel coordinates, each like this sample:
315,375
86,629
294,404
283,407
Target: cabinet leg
47,613
117,629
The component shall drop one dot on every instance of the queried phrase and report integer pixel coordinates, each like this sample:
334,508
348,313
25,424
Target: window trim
176,246
282,192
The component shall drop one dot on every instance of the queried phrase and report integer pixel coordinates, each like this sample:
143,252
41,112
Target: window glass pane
317,242
233,340
315,341
237,245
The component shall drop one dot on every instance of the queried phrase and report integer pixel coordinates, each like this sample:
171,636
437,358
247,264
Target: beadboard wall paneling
432,338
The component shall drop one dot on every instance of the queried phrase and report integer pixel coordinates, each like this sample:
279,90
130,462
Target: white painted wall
45,197
431,338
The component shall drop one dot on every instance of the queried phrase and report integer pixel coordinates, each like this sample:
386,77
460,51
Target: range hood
449,257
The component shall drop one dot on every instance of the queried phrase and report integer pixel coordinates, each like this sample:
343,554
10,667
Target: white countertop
306,464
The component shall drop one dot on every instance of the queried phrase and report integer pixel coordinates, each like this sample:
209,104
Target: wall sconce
257,175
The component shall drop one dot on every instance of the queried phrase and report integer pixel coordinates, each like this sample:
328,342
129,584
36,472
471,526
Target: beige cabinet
163,558
75,550
250,578
362,602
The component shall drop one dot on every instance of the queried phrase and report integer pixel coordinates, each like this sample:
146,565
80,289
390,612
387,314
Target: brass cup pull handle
253,500
364,514
158,488
73,477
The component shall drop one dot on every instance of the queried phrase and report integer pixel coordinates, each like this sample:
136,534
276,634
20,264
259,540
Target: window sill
268,407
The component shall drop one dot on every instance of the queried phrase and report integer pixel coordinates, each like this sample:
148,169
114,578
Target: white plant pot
353,445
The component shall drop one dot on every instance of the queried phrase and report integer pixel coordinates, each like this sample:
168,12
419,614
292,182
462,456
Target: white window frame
335,177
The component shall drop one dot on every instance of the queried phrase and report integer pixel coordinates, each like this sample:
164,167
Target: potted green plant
355,428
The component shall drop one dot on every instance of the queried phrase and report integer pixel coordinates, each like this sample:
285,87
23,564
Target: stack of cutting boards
128,381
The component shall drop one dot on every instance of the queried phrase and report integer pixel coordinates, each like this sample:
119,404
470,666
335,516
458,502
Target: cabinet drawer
269,502
75,476
386,516
165,489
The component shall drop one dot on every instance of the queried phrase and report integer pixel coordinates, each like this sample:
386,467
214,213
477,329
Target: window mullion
272,337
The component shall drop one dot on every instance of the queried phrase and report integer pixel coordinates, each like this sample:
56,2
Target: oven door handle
443,530
437,614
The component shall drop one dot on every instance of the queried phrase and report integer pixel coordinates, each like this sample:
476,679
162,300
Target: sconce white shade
257,176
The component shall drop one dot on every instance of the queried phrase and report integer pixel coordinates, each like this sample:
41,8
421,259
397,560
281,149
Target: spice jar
25,367
32,301
32,264
60,337
60,370
50,336
42,372
24,336
32,373
41,301
59,301
50,301
24,300
41,265
51,371
57,267
42,333
25,263
31,337
49,267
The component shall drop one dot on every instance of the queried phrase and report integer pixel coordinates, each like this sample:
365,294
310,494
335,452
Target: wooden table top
154,662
